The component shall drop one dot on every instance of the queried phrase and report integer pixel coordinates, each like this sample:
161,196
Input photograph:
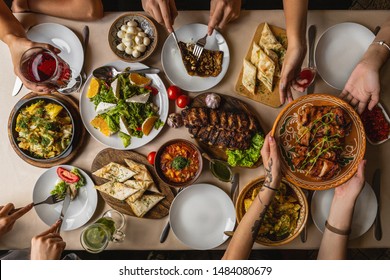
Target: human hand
20,6
17,47
8,216
48,245
163,11
271,161
222,12
362,87
290,71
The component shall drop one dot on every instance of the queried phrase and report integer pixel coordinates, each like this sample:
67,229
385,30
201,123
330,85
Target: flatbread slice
142,174
135,196
266,70
269,42
271,54
141,206
255,54
249,76
116,190
114,172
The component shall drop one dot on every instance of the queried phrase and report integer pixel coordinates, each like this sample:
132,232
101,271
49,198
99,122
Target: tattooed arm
245,235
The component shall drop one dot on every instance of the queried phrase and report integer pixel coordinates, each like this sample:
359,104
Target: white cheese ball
129,36
132,23
121,34
140,48
129,50
128,43
124,28
139,29
146,41
121,47
138,40
125,40
135,53
142,34
132,30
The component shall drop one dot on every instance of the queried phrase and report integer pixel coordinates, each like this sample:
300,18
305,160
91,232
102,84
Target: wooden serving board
78,130
111,155
228,103
269,98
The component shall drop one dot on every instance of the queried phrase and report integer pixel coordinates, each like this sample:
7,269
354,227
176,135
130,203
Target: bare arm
295,12
71,9
246,233
334,245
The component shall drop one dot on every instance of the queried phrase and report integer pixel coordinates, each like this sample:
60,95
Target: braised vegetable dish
320,141
179,162
44,129
282,215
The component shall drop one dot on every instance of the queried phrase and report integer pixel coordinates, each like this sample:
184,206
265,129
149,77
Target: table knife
17,86
165,231
311,38
234,189
303,234
85,35
376,185
65,207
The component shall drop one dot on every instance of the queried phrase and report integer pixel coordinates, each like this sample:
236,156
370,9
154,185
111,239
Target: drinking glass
307,76
109,227
44,67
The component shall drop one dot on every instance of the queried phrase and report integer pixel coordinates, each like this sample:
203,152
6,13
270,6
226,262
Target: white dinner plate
363,215
339,50
87,111
62,38
200,214
80,210
173,64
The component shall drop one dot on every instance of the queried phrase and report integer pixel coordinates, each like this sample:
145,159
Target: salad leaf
60,189
126,139
82,182
248,157
159,123
104,95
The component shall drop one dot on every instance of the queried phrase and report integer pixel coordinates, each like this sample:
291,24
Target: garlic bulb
213,100
175,120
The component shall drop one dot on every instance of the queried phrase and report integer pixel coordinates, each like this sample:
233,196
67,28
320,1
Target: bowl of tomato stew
178,163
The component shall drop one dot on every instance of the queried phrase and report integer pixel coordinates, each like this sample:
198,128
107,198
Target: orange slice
93,88
148,124
101,124
139,80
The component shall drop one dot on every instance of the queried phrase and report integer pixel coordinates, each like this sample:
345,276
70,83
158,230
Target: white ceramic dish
87,111
200,214
80,210
363,215
62,38
388,120
338,51
173,64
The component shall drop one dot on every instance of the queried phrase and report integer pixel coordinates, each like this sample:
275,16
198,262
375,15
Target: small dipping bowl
221,170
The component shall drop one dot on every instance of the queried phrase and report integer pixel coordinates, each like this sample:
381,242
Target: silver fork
53,199
199,47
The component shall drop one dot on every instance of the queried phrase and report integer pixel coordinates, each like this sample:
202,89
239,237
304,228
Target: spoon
109,72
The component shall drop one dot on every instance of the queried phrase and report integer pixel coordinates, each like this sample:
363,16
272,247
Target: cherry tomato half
153,90
182,101
174,92
151,157
67,176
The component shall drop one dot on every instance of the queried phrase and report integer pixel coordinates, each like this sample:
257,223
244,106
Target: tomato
67,176
182,101
151,157
152,89
174,92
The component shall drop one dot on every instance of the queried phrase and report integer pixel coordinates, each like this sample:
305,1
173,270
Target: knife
234,189
85,35
17,86
303,234
65,207
311,38
376,185
165,231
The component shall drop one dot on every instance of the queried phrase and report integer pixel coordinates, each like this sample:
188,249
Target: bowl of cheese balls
133,37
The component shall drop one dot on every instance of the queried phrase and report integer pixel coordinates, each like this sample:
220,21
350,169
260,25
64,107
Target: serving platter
285,129
78,130
228,103
269,98
111,155
80,210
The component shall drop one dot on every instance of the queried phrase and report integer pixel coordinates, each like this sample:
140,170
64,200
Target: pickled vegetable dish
179,162
44,129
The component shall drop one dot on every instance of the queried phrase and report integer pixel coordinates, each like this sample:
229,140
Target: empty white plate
363,215
80,210
200,214
173,64
339,50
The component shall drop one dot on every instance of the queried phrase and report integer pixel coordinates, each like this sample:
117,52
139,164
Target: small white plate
388,120
80,210
173,64
339,50
62,38
87,110
363,215
200,214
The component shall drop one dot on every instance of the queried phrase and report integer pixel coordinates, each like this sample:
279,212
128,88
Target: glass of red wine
306,77
44,67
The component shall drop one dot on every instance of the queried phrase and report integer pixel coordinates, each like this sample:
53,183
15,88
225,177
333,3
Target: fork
199,47
53,199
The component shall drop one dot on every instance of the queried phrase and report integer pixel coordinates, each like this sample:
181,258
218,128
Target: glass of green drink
109,227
